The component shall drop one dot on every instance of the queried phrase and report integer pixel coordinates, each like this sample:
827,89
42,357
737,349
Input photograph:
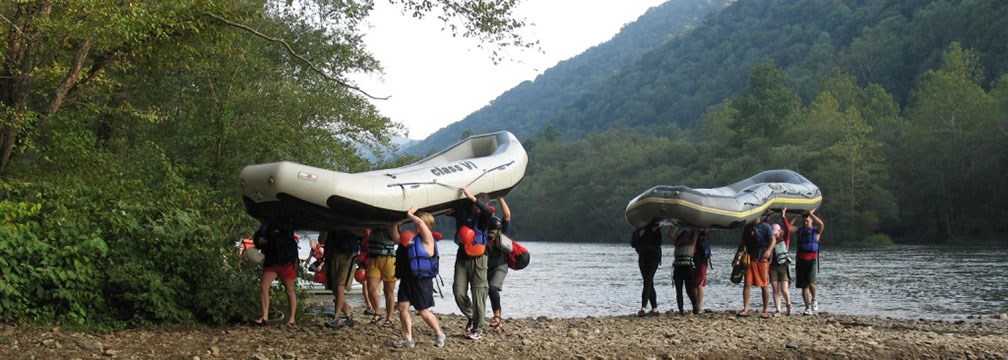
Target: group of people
480,267
764,247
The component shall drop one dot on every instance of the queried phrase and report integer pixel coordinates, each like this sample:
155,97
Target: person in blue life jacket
280,248
682,266
701,264
340,254
647,242
807,259
498,248
416,266
758,241
471,224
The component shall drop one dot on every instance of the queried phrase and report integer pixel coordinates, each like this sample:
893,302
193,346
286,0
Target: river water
902,281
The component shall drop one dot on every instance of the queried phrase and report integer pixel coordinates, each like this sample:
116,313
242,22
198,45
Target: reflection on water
903,281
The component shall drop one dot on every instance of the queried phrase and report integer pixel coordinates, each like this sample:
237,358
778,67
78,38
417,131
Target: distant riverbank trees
930,172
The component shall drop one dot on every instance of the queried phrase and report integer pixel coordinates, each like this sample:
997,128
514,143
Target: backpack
518,258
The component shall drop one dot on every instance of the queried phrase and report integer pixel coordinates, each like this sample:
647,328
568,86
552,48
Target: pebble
792,345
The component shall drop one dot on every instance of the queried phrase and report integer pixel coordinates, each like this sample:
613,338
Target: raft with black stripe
725,207
311,198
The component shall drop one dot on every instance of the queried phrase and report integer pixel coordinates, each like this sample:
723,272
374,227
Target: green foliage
122,128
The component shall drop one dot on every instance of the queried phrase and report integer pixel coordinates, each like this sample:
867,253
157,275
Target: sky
433,79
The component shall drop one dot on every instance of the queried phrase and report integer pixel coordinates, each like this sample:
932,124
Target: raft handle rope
434,182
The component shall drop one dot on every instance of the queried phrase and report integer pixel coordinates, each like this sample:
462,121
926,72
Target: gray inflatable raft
724,207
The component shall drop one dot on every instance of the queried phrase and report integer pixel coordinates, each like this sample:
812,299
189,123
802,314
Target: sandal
764,315
789,309
388,324
369,311
743,313
260,322
495,322
291,325
375,319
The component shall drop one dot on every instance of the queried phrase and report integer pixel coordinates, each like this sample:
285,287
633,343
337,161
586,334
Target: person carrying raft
416,266
497,259
471,224
647,242
682,266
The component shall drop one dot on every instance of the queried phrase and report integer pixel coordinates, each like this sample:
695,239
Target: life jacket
780,254
380,244
473,241
422,264
683,256
808,242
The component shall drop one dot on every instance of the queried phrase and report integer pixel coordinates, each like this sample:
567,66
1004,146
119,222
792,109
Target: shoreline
710,335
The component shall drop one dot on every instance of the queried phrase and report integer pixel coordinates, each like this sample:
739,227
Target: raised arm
818,221
425,232
506,212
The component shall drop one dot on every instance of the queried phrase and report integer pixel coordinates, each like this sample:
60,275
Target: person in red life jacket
498,248
757,241
381,271
341,248
471,223
416,266
280,248
807,264
780,265
701,263
243,246
647,242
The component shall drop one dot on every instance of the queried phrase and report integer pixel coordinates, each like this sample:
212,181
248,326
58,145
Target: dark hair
494,223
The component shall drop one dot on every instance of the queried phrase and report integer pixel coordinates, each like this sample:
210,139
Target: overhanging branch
291,51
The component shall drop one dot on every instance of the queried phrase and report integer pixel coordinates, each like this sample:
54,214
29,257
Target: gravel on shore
709,335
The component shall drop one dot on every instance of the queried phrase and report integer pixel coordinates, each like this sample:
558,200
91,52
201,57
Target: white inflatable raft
312,198
725,207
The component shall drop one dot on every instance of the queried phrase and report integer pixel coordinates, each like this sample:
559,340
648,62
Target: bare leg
745,298
405,320
431,320
264,288
776,289
389,298
766,298
372,286
787,295
699,298
291,300
341,303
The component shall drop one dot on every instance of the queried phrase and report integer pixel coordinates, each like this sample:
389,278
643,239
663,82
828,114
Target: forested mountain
525,108
884,42
895,108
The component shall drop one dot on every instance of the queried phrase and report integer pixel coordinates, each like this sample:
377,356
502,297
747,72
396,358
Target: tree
949,137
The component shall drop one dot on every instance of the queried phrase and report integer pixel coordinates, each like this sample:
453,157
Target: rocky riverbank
710,335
